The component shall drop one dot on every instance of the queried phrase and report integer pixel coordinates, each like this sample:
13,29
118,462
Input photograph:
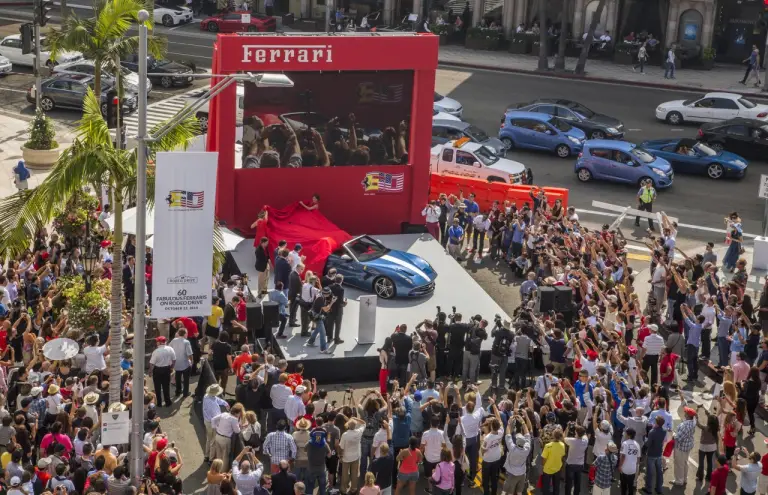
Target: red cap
161,340
689,411
44,255
162,443
632,350
591,354
106,243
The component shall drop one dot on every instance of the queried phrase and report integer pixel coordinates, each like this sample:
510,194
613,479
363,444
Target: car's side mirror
346,257
476,164
550,132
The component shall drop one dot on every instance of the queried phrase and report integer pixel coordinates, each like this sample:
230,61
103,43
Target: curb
571,76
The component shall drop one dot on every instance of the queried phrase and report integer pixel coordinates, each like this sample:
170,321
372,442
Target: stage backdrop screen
328,119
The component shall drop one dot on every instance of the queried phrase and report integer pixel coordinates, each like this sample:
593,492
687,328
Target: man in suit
337,310
283,270
294,293
129,279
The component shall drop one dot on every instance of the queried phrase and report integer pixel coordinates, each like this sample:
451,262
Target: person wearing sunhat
89,404
38,406
301,437
604,466
212,407
161,364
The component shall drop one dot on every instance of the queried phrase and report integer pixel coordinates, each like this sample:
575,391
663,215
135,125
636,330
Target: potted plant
441,31
708,58
623,53
480,38
87,311
41,150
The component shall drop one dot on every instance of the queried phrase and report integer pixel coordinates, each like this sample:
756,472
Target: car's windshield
159,63
366,249
560,125
581,110
693,100
486,156
643,155
438,96
704,149
477,134
746,103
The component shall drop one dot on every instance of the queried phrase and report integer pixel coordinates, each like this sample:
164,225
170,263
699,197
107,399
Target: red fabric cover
318,236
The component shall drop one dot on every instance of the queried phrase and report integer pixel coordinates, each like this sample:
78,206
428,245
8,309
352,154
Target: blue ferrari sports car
368,265
693,157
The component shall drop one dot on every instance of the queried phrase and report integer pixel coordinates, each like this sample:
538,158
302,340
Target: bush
70,221
41,133
708,54
439,29
87,311
484,33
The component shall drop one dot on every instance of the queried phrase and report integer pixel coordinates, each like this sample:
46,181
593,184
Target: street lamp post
143,138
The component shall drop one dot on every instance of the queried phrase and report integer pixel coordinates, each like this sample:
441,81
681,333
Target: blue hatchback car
620,161
540,132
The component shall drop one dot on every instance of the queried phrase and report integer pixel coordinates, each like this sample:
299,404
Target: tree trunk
116,307
97,80
590,36
543,62
560,60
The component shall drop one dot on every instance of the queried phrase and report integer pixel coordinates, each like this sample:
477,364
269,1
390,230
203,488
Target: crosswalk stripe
159,112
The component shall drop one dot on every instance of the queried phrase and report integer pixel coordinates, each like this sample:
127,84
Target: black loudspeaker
545,301
563,295
271,314
254,321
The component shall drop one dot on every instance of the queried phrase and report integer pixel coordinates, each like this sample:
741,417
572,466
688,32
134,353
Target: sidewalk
722,78
13,134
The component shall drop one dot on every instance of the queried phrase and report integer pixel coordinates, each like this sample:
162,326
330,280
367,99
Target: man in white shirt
652,346
381,437
350,455
279,393
295,258
212,405
432,442
183,364
247,478
630,453
161,363
226,425
432,214
480,225
470,424
294,405
574,462
516,464
229,291
710,321
659,284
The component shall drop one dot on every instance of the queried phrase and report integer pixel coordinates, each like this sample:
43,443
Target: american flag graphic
185,199
380,181
388,94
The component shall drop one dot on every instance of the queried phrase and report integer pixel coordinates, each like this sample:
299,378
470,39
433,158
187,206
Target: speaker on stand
254,321
545,299
563,297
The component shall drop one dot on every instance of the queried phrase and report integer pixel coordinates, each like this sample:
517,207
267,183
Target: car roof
737,120
82,78
542,117
720,94
13,37
456,124
611,144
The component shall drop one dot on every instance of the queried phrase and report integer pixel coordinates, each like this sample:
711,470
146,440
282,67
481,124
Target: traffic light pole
38,80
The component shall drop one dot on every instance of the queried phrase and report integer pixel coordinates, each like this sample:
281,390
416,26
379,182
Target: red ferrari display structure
364,89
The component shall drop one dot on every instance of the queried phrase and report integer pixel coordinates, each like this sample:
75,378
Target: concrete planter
622,57
443,39
40,159
482,43
519,46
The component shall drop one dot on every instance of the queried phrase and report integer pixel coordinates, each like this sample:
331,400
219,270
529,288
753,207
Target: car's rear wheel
202,120
674,118
584,175
597,135
167,20
104,109
47,104
715,171
213,27
563,151
166,82
384,287
716,146
645,180
508,143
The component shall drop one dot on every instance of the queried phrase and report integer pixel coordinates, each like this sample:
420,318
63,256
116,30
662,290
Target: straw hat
303,424
91,398
117,407
214,390
35,391
53,389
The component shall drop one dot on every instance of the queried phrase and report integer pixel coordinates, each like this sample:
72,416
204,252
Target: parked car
169,73
88,67
5,66
436,115
541,132
10,48
620,161
594,125
712,107
367,264
69,90
464,158
171,15
451,130
745,137
692,157
232,22
447,105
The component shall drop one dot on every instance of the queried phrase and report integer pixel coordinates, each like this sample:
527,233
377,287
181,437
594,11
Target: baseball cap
417,396
15,481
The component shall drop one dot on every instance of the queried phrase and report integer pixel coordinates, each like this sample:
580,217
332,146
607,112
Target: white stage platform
453,287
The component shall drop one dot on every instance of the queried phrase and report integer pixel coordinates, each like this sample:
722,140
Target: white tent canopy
231,240
129,221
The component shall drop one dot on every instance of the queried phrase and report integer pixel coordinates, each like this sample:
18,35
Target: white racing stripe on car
407,266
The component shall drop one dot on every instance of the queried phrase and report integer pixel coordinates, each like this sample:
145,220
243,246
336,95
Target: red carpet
318,236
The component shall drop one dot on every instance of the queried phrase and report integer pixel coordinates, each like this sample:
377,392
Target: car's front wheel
47,104
508,143
563,151
166,82
715,171
584,175
384,287
674,118
167,21
213,27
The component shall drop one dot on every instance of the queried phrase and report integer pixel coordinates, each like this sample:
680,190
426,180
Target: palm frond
219,248
92,128
116,18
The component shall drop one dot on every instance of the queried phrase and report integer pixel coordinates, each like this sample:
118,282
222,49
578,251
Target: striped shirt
653,344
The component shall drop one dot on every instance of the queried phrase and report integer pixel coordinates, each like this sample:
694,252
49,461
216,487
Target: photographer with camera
429,337
475,337
518,440
321,307
500,349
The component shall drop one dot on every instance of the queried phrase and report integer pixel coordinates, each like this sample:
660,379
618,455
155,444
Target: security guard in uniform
645,198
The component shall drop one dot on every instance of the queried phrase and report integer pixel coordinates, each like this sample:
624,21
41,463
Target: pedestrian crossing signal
42,12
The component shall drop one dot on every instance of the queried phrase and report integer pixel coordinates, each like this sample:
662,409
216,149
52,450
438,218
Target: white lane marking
643,249
685,225
677,130
693,463
634,130
14,90
190,55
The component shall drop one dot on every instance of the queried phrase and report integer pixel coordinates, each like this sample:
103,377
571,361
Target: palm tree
103,37
590,37
91,160
543,39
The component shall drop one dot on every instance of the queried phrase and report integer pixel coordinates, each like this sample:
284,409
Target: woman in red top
730,432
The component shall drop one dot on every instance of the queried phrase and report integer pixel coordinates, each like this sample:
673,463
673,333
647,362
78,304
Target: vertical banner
185,196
